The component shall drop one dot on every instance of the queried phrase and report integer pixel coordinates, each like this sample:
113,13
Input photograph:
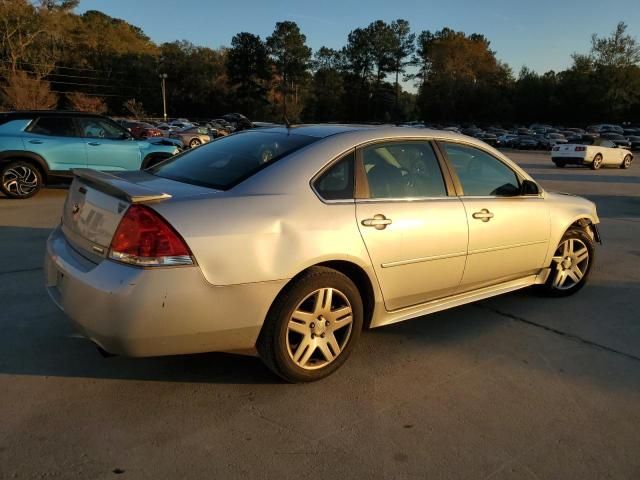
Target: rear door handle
94,144
484,215
379,222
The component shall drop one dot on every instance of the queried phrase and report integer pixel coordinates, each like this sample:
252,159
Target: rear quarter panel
265,237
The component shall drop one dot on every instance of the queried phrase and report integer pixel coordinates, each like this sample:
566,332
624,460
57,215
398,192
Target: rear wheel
559,164
597,162
312,326
20,179
195,142
571,264
626,163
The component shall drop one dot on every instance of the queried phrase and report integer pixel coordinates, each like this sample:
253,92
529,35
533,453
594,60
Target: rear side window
337,182
54,126
480,173
225,162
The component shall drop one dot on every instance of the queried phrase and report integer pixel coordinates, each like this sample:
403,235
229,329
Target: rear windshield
225,162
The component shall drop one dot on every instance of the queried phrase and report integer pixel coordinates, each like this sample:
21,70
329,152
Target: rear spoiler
119,187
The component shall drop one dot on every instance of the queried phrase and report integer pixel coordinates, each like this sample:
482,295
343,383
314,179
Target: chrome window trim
405,199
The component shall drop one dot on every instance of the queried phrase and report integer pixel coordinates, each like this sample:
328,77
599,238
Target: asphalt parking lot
518,386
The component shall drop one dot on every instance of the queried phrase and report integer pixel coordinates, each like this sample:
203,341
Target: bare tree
22,92
134,107
86,103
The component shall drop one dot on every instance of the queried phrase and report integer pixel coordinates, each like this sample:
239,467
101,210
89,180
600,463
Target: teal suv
43,147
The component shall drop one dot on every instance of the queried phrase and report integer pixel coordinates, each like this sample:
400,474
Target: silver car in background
192,136
289,241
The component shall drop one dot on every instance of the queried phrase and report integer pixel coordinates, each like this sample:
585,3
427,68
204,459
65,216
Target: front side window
100,128
54,126
481,174
223,163
337,182
403,170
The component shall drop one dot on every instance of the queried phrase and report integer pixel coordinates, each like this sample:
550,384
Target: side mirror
529,187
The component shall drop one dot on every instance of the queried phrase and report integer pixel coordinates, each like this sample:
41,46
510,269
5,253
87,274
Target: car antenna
286,120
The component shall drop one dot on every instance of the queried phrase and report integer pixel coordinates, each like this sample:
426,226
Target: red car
142,129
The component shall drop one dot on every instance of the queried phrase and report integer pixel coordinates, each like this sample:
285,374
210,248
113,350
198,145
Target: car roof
23,114
368,132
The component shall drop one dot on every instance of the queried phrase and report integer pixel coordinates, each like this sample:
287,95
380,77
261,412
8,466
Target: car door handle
378,221
484,215
37,142
94,144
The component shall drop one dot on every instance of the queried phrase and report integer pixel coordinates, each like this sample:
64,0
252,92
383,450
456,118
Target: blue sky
541,34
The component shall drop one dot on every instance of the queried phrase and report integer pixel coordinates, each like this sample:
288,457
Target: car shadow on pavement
37,340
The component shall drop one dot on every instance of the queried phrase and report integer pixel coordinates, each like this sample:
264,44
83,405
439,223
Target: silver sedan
289,241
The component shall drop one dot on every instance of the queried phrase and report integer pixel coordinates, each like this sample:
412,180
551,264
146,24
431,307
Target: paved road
517,387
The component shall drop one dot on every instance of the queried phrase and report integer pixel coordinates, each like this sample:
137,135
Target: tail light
145,239
580,149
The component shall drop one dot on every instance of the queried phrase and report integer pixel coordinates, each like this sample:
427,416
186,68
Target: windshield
225,162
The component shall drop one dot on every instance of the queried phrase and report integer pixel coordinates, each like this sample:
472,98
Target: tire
626,163
597,162
194,142
20,179
302,340
560,164
573,246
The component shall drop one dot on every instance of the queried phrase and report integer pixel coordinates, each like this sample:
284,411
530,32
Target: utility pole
163,76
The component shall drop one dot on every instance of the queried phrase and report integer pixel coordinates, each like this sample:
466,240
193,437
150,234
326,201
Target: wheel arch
34,158
358,275
583,221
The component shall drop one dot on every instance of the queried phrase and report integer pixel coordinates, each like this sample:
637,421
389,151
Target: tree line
52,57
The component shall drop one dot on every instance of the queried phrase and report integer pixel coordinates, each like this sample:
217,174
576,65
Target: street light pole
163,76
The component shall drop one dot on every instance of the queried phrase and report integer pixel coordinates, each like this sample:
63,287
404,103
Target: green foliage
290,55
248,73
94,61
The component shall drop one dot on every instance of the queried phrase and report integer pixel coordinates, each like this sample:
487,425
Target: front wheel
195,142
626,163
597,162
20,179
312,326
571,264
559,164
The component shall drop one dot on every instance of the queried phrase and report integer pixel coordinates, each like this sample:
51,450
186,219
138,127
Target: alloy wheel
597,162
571,261
20,180
319,328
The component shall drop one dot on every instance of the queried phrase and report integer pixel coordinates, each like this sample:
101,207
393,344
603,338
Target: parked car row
41,147
543,136
189,133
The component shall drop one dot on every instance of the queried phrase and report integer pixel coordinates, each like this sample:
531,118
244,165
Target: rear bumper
571,160
148,312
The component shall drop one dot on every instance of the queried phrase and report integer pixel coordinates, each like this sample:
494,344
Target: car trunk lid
97,201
